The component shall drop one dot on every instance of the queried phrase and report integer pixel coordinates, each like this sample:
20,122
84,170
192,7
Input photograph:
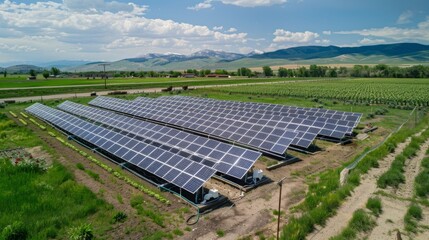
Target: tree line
364,71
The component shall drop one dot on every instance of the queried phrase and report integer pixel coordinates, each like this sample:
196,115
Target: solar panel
305,128
215,105
214,126
173,168
343,117
232,160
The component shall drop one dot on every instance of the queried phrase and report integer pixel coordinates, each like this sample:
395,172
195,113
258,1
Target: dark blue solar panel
122,148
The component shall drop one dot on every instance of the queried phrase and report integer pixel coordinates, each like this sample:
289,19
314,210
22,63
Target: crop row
325,194
378,91
23,121
23,114
13,114
37,124
395,175
112,171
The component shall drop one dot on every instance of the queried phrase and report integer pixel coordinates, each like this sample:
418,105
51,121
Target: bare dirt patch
38,152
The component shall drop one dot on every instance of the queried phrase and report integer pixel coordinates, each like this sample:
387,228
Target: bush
374,204
361,221
15,231
83,232
178,232
80,166
119,217
414,213
220,233
422,183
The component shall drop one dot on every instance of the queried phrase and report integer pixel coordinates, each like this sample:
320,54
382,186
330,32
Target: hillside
23,68
396,54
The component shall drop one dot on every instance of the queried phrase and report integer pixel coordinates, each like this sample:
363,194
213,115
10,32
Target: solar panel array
231,160
276,108
266,138
306,132
338,126
169,166
309,128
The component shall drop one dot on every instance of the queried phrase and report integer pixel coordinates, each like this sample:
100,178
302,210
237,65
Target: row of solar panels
266,130
265,138
184,159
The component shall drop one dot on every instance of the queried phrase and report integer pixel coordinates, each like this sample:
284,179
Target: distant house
31,78
188,75
213,75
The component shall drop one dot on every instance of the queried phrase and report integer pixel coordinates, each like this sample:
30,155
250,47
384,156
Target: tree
283,72
32,72
55,71
45,74
5,73
268,72
244,72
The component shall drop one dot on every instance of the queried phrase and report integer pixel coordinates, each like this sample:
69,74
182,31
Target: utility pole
280,183
104,73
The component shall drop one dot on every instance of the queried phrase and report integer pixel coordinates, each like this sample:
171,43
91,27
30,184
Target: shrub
414,213
178,232
220,233
80,166
374,205
119,217
82,232
361,221
15,231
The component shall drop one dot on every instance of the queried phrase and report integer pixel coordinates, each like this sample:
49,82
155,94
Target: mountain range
399,53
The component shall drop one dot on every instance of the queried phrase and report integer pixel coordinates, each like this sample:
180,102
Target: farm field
394,92
10,88
311,189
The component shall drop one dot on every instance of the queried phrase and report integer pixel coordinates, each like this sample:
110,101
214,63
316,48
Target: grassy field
37,198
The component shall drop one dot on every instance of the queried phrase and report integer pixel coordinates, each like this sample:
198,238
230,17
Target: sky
104,30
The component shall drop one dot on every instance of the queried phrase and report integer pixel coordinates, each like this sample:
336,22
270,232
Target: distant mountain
400,53
312,52
23,69
63,63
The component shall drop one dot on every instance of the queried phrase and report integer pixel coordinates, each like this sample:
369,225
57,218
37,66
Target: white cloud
16,48
294,37
240,3
231,30
203,5
322,41
253,3
327,32
421,32
369,41
217,28
405,17
97,31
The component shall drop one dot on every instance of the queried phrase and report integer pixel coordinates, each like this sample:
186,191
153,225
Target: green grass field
37,199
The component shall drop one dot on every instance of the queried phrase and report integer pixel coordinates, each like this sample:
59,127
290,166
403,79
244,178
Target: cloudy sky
95,30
